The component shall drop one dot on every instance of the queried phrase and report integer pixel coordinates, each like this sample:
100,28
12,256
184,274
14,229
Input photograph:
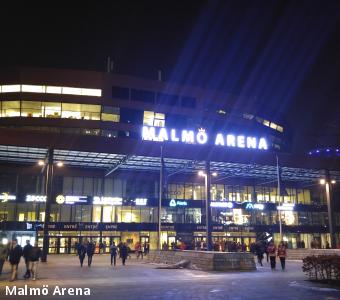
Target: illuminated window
110,114
11,88
273,125
96,213
31,109
53,89
21,217
221,112
279,128
51,109
154,119
80,111
33,88
108,214
91,92
71,91
266,122
10,109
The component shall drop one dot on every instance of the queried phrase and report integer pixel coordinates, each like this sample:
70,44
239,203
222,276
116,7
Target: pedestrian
3,256
104,247
90,251
15,254
139,250
120,245
266,251
81,252
101,247
259,252
113,252
282,253
25,253
272,255
124,253
34,256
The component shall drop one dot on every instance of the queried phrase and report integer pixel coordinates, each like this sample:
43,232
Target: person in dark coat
15,254
259,252
90,251
124,253
25,253
81,252
3,256
34,256
113,252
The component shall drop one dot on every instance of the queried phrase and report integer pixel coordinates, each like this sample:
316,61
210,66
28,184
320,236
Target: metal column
330,211
48,190
160,200
207,205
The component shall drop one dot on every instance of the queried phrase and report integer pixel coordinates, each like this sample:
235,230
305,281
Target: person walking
282,253
124,253
15,254
113,252
3,256
34,256
272,255
90,251
139,250
259,249
81,252
25,253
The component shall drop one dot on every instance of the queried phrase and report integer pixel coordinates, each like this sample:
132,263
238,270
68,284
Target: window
10,109
167,99
10,88
51,109
33,88
248,116
154,119
189,102
273,125
120,92
143,96
80,111
31,109
266,122
279,128
53,89
110,114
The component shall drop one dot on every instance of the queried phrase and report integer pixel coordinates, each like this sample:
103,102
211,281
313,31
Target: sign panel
201,137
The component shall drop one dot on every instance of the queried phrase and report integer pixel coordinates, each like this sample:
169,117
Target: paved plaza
140,280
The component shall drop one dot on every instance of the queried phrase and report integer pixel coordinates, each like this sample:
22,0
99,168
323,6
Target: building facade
111,135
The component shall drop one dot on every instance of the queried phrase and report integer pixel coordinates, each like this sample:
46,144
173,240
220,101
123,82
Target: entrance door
64,245
172,242
74,241
53,245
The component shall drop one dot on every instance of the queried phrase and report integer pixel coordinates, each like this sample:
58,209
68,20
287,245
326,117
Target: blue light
328,150
317,151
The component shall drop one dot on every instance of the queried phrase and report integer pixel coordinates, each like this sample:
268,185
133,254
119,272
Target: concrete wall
208,261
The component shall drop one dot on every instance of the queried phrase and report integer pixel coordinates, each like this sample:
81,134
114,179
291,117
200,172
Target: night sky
281,54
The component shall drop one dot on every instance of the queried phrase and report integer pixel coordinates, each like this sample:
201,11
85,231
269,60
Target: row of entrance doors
67,245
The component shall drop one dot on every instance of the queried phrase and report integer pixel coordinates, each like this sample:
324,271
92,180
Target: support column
159,247
207,205
48,191
330,211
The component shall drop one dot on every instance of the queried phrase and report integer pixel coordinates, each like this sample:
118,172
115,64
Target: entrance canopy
109,162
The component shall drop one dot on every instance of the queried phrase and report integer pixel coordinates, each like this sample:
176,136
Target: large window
51,109
154,119
31,109
10,109
80,111
110,113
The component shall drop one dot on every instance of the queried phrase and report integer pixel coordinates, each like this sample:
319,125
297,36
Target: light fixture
41,163
333,181
322,181
214,174
59,164
201,173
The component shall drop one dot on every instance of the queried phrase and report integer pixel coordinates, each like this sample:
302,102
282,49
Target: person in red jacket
282,253
272,255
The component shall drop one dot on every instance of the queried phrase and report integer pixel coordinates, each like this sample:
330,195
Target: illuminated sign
222,204
161,134
141,201
258,206
286,207
4,197
174,203
107,200
35,198
61,199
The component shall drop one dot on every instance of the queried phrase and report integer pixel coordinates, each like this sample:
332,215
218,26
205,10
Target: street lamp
326,183
207,206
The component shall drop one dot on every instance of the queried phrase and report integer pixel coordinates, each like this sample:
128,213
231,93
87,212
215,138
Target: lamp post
207,181
326,182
